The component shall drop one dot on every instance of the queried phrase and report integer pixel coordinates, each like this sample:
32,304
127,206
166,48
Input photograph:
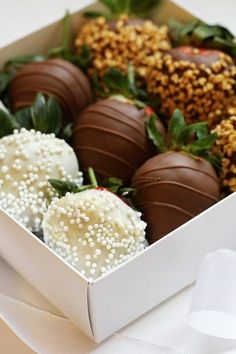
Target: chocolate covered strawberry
110,135
179,182
201,82
121,36
92,228
226,146
56,77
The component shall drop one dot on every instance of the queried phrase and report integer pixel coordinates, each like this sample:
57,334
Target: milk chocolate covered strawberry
179,182
110,135
56,77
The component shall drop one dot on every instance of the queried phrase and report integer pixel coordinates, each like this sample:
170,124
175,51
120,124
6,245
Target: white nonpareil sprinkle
98,242
27,160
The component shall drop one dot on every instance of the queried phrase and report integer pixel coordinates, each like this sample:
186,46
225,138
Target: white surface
164,330
20,17
49,273
161,270
164,326
213,308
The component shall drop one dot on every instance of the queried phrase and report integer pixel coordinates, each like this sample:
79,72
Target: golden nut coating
116,44
226,146
200,82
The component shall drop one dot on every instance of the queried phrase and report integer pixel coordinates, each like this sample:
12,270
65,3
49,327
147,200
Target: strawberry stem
92,177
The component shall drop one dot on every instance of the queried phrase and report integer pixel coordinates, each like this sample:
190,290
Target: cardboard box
102,307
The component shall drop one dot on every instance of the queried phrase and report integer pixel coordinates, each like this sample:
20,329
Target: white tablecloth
164,330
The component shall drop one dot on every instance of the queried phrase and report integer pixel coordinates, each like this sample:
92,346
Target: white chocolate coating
27,160
94,231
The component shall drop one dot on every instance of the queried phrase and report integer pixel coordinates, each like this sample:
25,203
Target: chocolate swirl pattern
110,135
56,77
172,188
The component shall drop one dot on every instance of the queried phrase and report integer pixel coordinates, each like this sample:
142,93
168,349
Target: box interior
161,270
111,302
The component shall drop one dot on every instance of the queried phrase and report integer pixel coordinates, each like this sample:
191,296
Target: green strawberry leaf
215,161
93,14
8,123
131,8
5,78
116,82
188,132
112,183
155,135
97,86
199,34
112,5
64,49
175,127
25,59
66,133
116,185
141,8
46,115
126,191
63,187
227,46
202,32
84,58
54,116
39,114
200,146
24,118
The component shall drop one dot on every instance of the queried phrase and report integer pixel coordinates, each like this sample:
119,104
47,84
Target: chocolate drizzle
172,188
111,137
56,77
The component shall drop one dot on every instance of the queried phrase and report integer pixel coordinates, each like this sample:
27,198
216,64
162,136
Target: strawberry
201,82
110,37
92,228
226,146
110,135
179,182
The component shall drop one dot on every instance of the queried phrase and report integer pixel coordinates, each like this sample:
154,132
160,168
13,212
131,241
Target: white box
102,307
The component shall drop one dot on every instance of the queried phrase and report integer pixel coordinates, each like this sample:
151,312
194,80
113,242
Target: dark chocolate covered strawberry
179,182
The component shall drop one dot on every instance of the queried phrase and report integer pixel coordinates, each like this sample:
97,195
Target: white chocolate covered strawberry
27,160
93,230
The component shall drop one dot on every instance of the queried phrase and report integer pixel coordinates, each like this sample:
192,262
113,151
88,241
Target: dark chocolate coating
130,22
56,77
110,136
198,56
172,188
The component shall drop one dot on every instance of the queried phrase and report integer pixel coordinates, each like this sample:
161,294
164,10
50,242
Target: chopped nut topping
138,44
203,93
226,146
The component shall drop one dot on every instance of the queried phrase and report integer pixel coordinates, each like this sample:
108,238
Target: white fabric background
164,330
